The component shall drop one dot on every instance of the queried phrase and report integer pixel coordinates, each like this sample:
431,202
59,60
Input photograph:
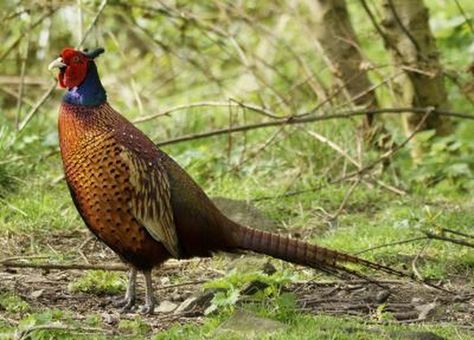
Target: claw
128,302
129,307
147,309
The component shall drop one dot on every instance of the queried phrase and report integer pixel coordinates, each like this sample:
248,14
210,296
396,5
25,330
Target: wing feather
151,200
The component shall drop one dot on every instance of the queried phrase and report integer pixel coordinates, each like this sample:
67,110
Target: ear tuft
94,53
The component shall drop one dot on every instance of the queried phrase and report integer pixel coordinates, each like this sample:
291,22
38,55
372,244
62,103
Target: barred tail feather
304,253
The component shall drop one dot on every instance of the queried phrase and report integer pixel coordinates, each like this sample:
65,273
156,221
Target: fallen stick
78,266
118,267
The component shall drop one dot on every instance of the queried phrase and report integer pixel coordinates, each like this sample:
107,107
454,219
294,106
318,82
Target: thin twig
388,187
402,26
288,194
109,267
133,83
413,263
25,334
15,95
333,146
30,28
93,23
82,246
188,283
83,266
345,199
448,239
35,108
14,258
257,152
392,244
342,283
378,29
446,230
314,118
467,20
80,18
344,153
22,77
389,153
9,321
231,103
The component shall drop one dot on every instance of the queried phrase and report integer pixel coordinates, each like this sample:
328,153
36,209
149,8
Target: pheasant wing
151,200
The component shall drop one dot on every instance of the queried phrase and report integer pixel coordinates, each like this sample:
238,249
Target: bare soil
397,301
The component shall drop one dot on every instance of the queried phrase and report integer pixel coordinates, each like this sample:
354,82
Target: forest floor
45,301
391,217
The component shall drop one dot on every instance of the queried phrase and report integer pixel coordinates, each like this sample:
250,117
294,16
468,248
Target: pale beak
58,63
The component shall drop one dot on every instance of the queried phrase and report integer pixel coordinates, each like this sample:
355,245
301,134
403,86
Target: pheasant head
78,73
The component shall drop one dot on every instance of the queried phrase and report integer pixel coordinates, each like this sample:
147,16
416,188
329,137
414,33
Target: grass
372,216
99,282
12,303
297,326
318,327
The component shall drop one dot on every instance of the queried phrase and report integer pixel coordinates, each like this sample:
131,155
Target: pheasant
140,202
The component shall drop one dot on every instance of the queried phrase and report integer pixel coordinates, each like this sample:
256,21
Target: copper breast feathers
123,197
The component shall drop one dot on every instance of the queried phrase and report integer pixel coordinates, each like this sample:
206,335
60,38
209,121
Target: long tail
304,253
300,252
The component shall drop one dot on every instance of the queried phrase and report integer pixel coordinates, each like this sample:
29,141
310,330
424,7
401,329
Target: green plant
99,282
13,303
136,327
231,285
448,163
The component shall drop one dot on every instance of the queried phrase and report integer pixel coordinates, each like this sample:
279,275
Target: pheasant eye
76,59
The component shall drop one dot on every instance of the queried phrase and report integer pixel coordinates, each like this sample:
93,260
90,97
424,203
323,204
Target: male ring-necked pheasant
139,201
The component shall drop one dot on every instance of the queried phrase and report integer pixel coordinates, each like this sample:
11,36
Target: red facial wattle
75,71
61,73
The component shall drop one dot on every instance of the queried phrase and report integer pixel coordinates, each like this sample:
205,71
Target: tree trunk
338,41
413,48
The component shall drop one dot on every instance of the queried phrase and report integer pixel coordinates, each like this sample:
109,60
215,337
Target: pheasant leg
130,296
149,305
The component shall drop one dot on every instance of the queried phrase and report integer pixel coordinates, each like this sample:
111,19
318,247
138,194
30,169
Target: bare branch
392,244
457,233
448,239
57,326
295,120
467,20
77,266
402,26
22,77
231,103
35,108
93,23
10,263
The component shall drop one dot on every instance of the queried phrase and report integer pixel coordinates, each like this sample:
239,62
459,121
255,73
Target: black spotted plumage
142,204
